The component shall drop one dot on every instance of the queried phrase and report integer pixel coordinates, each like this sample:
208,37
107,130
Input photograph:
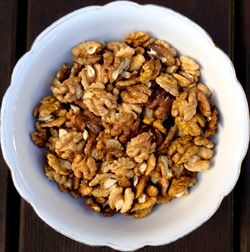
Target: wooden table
228,23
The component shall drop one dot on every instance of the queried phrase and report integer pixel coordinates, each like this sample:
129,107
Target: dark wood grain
242,64
9,199
215,235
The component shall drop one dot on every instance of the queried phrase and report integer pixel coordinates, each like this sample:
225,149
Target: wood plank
9,199
216,234
242,63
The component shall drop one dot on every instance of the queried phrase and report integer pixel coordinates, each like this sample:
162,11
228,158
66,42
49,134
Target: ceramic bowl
30,81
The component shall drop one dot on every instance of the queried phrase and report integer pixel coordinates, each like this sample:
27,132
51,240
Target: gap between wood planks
241,62
13,198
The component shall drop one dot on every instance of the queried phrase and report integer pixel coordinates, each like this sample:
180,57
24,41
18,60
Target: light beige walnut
87,75
101,74
126,83
136,94
204,88
69,144
189,65
128,200
86,53
137,62
195,164
182,81
62,167
69,90
99,101
48,105
179,187
140,147
168,83
202,141
84,166
185,106
122,167
137,39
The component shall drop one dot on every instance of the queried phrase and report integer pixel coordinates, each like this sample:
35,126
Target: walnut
140,147
87,75
63,73
126,83
195,164
163,51
99,101
213,123
84,166
101,74
192,127
204,88
185,106
168,83
142,213
151,163
202,141
136,94
149,203
182,81
120,167
124,126
69,144
123,54
137,38
158,125
61,180
69,91
150,70
48,105
140,186
107,148
86,53
170,135
62,167
128,200
116,198
75,120
180,186
85,190
189,65
136,62
53,120
40,136
203,104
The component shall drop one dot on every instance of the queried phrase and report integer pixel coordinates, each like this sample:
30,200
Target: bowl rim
17,177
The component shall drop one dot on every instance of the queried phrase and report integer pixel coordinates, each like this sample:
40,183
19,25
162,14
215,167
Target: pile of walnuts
127,125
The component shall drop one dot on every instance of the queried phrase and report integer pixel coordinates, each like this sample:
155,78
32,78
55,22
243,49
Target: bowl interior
70,216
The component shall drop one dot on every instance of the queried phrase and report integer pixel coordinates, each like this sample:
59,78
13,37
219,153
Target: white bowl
31,80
